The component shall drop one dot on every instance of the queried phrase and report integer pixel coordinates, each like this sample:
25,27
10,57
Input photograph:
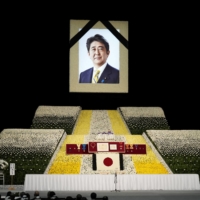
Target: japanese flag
108,161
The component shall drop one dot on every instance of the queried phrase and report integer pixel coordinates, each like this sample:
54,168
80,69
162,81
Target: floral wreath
3,164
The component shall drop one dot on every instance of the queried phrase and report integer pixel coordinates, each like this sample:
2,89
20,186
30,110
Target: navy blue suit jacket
109,75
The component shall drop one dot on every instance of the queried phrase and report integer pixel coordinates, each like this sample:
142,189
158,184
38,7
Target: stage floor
116,195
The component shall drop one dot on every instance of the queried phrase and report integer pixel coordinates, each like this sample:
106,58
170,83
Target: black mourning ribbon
90,24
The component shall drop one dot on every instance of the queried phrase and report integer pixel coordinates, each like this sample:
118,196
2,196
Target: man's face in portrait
98,53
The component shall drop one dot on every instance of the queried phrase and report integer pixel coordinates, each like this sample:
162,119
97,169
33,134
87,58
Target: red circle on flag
108,161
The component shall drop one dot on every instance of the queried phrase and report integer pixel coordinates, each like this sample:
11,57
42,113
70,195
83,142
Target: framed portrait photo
98,49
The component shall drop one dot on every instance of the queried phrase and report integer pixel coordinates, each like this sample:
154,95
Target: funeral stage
116,187
125,182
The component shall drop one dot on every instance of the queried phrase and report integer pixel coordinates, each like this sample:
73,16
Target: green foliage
25,164
54,123
183,164
179,162
138,125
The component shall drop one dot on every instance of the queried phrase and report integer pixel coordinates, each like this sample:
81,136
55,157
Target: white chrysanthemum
183,142
142,112
31,138
100,122
57,111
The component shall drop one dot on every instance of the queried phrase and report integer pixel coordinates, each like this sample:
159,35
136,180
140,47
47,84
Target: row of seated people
50,195
93,196
17,196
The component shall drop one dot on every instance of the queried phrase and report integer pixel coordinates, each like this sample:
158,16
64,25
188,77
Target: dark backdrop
163,66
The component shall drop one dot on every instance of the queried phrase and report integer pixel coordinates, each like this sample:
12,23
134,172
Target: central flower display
89,126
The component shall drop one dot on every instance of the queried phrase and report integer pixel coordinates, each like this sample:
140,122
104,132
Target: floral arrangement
152,162
117,123
66,164
89,124
129,112
179,148
3,164
59,111
38,151
82,126
100,121
56,117
30,150
140,119
104,136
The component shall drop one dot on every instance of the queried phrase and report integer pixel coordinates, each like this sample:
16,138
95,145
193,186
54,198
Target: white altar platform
98,182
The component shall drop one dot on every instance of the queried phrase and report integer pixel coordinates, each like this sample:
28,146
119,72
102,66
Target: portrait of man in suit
101,72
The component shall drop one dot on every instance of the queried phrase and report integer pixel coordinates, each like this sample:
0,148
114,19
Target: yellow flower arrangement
67,164
83,123
117,123
145,164
71,164
64,167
